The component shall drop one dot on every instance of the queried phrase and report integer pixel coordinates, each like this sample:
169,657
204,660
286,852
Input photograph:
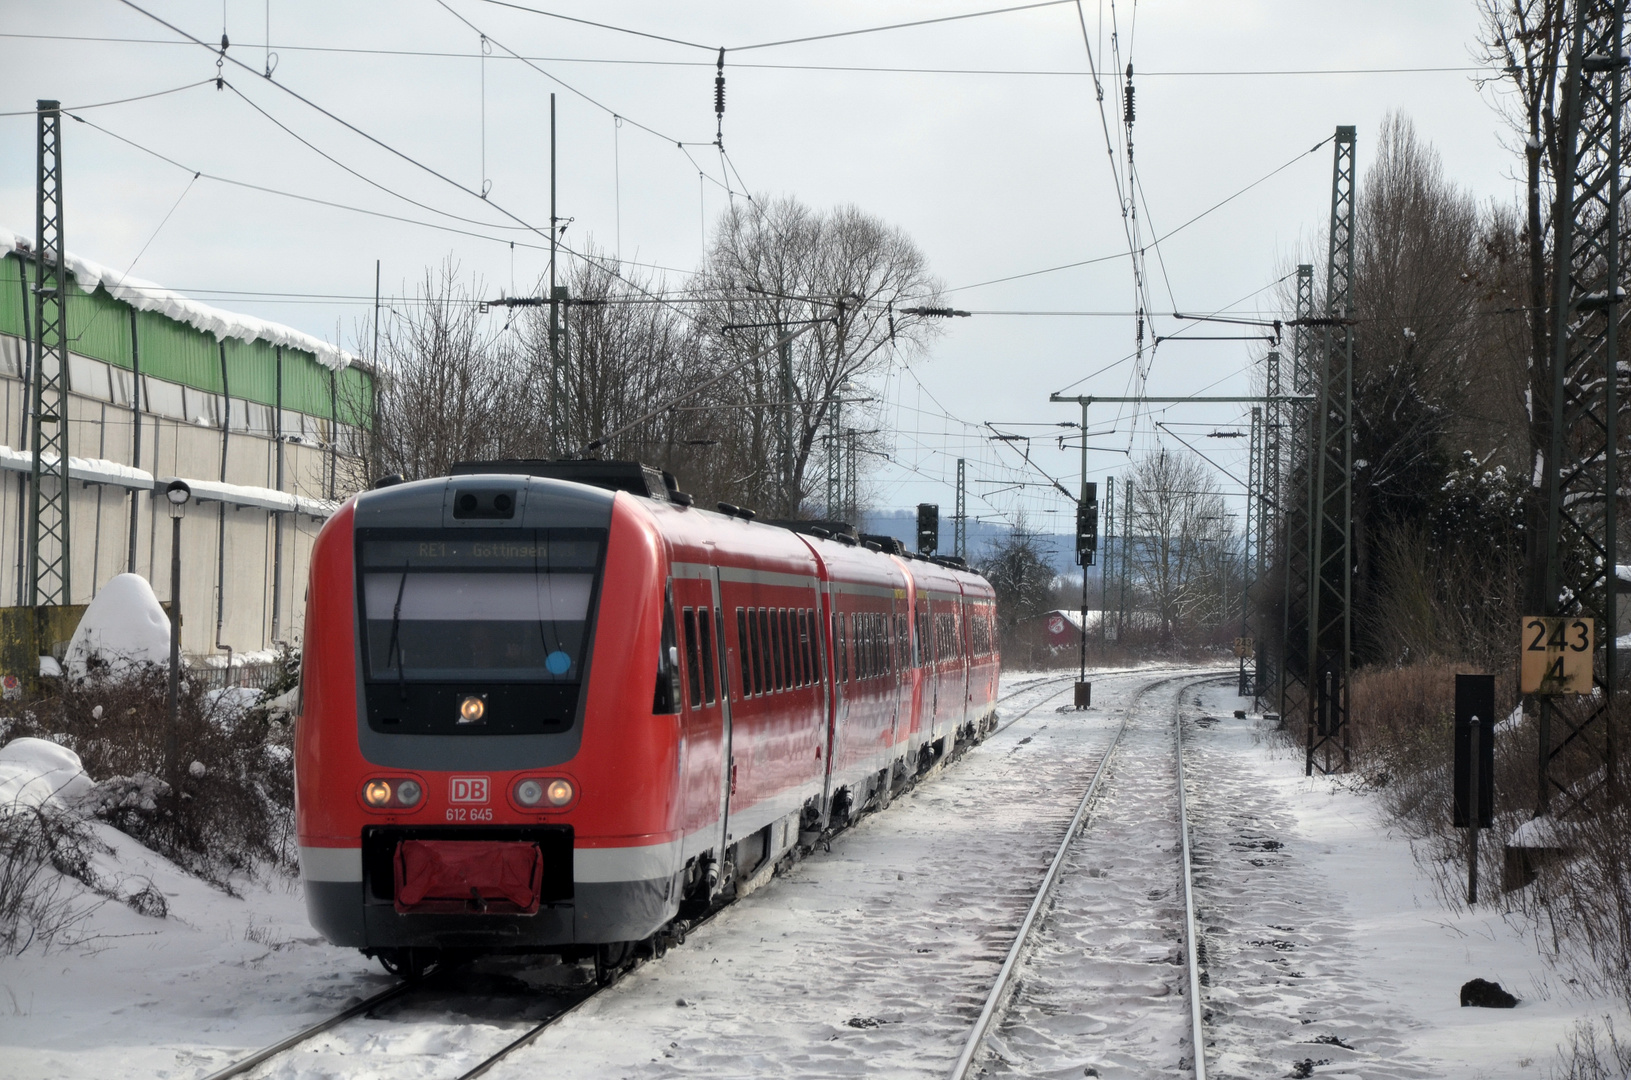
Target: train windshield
510,607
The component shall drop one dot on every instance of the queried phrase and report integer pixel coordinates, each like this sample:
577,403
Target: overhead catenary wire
611,270
1163,237
1068,73
454,230
119,101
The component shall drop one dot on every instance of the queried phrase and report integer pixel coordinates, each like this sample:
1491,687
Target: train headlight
472,708
395,793
529,792
559,792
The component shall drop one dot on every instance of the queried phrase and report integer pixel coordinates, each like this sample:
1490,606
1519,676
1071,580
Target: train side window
870,636
756,658
767,652
790,648
776,659
858,643
801,619
693,674
666,697
705,634
793,645
785,617
773,660
869,647
843,647
801,662
742,652
761,656
790,640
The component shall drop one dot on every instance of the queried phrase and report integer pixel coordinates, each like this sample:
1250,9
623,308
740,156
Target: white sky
991,174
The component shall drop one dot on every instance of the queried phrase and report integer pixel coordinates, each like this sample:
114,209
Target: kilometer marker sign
1557,655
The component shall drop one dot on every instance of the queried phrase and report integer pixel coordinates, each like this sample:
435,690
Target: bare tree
777,267
1177,511
450,388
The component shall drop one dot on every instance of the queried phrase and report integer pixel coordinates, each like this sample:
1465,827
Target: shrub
232,804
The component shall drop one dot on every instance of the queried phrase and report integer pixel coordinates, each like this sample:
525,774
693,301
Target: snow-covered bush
230,814
41,848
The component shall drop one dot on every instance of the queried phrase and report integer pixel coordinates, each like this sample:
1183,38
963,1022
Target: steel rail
1010,964
994,1000
1197,1036
238,1068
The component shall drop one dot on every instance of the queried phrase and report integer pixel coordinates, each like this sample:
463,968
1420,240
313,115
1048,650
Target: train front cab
504,649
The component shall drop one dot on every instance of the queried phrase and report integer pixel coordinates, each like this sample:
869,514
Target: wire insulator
1127,110
719,87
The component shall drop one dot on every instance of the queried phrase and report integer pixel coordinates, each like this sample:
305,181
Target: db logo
468,789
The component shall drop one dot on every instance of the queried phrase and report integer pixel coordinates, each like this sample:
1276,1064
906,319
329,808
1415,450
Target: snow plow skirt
491,877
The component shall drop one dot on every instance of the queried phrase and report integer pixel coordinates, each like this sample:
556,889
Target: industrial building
265,424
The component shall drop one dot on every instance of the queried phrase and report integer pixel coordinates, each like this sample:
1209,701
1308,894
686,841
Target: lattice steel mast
1251,556
1298,498
1270,545
48,564
1581,475
1330,632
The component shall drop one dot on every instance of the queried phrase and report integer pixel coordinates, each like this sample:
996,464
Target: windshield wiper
396,642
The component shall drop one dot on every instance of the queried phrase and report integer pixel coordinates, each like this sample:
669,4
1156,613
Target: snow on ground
873,958
1382,959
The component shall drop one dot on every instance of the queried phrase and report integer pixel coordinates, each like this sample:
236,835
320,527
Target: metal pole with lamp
176,493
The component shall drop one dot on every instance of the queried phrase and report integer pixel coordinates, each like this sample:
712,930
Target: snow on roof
102,471
148,296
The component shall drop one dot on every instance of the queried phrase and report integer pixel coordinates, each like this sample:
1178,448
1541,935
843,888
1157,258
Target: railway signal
1087,525
928,528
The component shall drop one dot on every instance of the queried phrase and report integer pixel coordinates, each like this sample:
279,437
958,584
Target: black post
1472,818
171,773
1474,781
176,494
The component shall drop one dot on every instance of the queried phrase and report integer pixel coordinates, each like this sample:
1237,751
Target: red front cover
498,877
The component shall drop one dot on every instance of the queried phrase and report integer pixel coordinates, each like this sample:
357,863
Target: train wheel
411,964
611,959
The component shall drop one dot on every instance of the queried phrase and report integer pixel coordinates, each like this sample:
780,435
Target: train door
966,648
722,669
829,644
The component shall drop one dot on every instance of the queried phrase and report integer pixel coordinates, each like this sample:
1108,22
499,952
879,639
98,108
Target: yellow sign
1557,655
1243,647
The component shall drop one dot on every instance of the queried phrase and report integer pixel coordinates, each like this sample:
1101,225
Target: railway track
402,993
1000,995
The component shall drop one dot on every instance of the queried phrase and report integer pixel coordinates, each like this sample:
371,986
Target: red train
550,706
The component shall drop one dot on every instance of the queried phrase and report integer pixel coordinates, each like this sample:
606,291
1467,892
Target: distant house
1064,628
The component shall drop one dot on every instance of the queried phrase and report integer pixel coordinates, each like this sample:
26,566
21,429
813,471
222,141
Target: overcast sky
995,163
